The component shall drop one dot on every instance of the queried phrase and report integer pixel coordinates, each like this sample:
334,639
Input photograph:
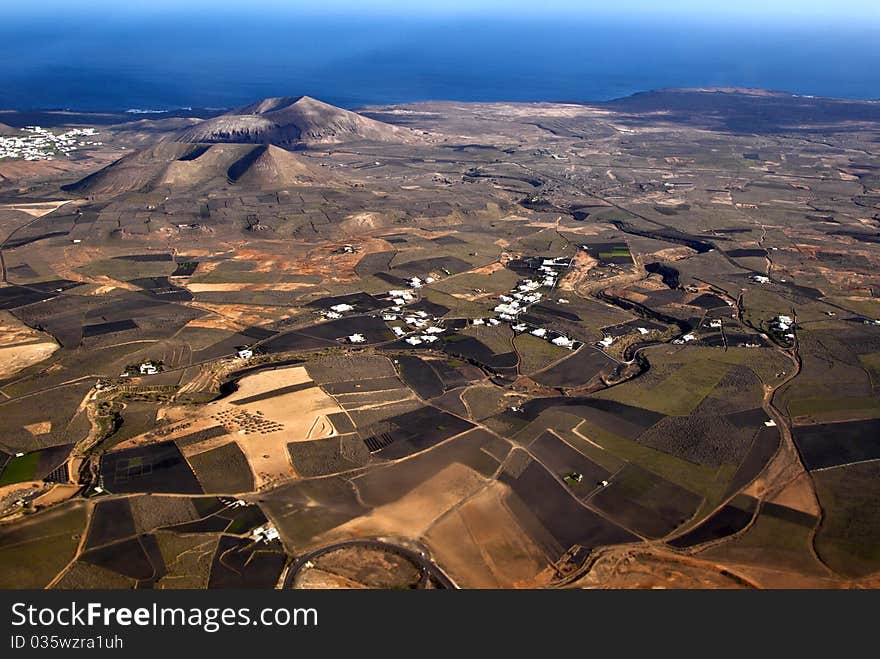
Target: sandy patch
488,269
458,554
321,428
414,513
769,577
36,209
21,346
214,288
268,381
665,200
625,567
41,428
263,428
361,221
674,253
799,495
102,290
60,492
214,322
232,315
14,359
481,545
13,332
367,400
317,579
581,264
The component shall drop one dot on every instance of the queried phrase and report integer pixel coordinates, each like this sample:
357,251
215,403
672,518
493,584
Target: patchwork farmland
596,346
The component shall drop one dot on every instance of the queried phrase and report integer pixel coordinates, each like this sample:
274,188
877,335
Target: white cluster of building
264,533
783,325
526,293
518,301
401,297
36,143
608,340
145,368
418,327
421,327
337,310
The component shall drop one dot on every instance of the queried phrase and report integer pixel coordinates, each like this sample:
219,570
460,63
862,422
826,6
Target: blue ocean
99,62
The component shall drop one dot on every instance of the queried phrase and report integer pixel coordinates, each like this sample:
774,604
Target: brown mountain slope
179,166
268,166
293,121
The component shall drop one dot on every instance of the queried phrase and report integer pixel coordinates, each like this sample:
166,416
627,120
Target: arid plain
632,344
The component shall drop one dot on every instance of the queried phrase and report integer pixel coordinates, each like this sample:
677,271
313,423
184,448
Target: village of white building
37,143
419,328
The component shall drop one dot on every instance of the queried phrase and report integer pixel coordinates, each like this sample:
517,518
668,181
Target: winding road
428,568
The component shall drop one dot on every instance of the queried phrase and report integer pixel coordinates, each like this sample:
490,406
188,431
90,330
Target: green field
123,270
187,559
484,401
601,457
33,554
871,362
458,307
219,276
679,393
223,469
702,480
866,306
19,470
615,253
828,408
498,338
778,542
535,353
849,536
499,281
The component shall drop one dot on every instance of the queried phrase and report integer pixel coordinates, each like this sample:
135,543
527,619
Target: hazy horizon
156,57
855,11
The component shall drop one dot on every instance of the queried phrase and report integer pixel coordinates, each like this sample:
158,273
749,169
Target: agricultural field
453,351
